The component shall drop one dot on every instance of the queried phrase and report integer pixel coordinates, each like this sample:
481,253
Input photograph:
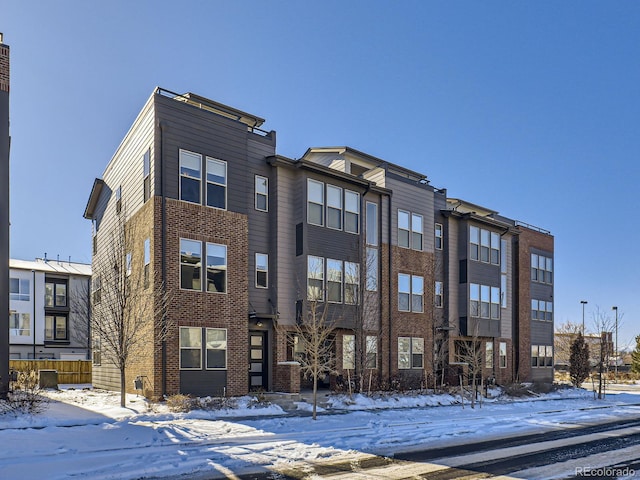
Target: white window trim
328,207
266,195
203,274
265,271
180,348
207,182
438,228
226,350
309,201
182,175
202,265
356,213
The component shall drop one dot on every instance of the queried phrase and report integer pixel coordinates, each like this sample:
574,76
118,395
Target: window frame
146,176
184,175
331,264
311,202
225,349
190,347
319,277
56,317
438,236
17,322
415,234
488,354
264,271
348,351
371,227
213,160
371,350
191,265
224,268
503,355
349,212
406,231
54,294
147,262
438,294
334,193
260,194
351,282
416,348
19,295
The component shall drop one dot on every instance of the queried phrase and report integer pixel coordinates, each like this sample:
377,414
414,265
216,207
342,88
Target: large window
484,301
351,211
19,289
488,359
334,207
20,324
262,193
190,264
55,293
315,278
484,245
348,352
404,229
216,348
541,269
147,262
474,243
216,183
190,176
216,268
541,310
315,202
190,348
541,355
334,280
96,288
55,327
262,270
351,282
410,293
410,352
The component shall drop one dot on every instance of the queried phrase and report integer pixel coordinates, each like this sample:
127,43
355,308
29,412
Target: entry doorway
258,366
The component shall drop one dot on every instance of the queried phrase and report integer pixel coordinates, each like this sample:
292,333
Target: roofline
90,209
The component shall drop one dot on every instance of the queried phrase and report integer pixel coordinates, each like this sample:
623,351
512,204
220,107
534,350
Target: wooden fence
69,371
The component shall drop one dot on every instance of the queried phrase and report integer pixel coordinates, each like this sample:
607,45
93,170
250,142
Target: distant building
246,239
598,345
49,310
4,217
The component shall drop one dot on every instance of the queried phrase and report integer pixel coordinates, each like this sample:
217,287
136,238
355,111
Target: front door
258,371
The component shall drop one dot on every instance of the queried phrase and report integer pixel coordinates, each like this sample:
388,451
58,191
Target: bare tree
128,305
565,336
469,352
604,326
315,335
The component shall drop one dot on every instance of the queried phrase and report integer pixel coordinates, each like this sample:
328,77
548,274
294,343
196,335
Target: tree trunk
123,389
315,395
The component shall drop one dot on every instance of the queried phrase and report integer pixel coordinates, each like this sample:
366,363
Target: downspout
164,264
34,313
390,280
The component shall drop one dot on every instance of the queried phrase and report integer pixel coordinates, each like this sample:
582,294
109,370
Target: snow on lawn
85,433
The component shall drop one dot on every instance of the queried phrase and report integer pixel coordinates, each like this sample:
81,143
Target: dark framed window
146,175
55,328
55,293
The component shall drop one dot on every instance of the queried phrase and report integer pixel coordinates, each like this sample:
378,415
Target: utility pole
583,302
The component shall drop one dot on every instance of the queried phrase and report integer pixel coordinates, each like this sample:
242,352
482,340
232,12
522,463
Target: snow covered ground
86,434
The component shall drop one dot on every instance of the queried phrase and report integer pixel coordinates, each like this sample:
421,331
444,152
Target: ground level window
190,348
503,354
216,348
410,352
348,352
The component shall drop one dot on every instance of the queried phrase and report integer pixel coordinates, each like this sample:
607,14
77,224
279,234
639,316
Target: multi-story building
246,240
4,217
49,310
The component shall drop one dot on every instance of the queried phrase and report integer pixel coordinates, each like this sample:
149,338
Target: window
119,199
410,352
190,264
438,236
315,202
549,356
351,211
146,171
534,356
403,229
216,348
334,207
190,348
351,282
404,292
410,293
96,351
503,354
19,289
348,352
541,269
315,278
484,301
372,224
334,280
503,273
541,310
372,269
216,183
541,355
127,262
190,176
484,245
55,327
416,231
96,283
262,270
474,243
55,293
216,268
488,357
371,351
94,237
20,324
439,294
147,261
495,248
262,193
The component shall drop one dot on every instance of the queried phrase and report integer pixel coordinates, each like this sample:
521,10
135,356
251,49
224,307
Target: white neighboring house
48,309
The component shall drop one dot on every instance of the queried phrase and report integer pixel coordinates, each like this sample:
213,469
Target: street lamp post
583,302
616,345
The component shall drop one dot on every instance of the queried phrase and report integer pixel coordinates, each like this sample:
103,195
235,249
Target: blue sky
528,108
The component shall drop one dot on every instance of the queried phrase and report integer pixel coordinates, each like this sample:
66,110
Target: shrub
25,397
180,403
